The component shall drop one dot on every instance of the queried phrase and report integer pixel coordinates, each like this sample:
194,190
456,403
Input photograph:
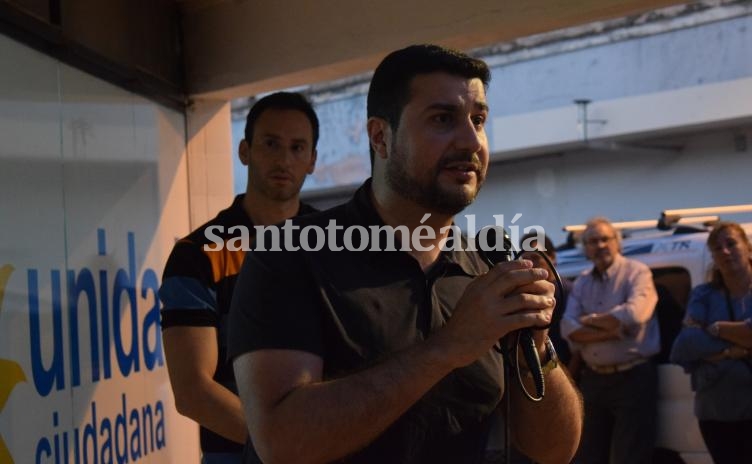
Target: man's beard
430,195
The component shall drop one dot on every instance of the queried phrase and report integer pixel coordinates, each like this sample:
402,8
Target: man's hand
511,296
597,327
601,321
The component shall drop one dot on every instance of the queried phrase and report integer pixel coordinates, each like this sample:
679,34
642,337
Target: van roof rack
648,224
670,219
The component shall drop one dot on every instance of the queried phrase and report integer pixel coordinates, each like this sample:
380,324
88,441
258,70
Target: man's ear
312,166
244,152
379,135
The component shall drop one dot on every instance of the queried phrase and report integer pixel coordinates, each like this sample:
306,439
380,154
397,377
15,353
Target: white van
674,248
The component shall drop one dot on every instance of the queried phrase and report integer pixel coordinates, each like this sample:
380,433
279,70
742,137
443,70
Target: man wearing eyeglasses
610,319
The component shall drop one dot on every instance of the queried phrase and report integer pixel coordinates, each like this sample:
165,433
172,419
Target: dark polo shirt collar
236,215
362,208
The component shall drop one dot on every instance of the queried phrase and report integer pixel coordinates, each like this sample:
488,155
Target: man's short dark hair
389,91
282,101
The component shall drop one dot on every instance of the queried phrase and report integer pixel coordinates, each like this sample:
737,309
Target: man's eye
298,148
271,143
443,118
479,120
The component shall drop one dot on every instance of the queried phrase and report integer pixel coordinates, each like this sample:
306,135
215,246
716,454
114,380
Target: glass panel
93,192
32,252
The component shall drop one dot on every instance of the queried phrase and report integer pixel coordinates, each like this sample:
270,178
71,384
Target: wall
711,169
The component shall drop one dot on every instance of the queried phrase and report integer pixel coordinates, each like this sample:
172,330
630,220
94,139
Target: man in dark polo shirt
347,354
280,151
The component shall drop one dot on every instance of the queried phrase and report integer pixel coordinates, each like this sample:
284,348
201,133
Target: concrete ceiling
237,48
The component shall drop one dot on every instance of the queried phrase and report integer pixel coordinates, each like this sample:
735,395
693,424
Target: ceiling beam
237,48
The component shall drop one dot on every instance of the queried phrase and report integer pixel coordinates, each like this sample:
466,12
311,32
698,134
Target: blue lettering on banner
104,322
106,305
136,433
44,378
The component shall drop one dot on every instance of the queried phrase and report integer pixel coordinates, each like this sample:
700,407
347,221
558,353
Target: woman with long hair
715,344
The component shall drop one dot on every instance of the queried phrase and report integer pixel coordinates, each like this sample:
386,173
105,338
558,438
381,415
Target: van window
673,285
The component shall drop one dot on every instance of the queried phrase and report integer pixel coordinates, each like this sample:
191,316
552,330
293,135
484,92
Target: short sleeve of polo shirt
187,292
276,305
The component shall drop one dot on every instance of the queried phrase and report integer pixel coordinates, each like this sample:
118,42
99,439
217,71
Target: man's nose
469,138
285,156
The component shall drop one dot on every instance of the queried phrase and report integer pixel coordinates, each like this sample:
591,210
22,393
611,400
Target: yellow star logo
10,372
